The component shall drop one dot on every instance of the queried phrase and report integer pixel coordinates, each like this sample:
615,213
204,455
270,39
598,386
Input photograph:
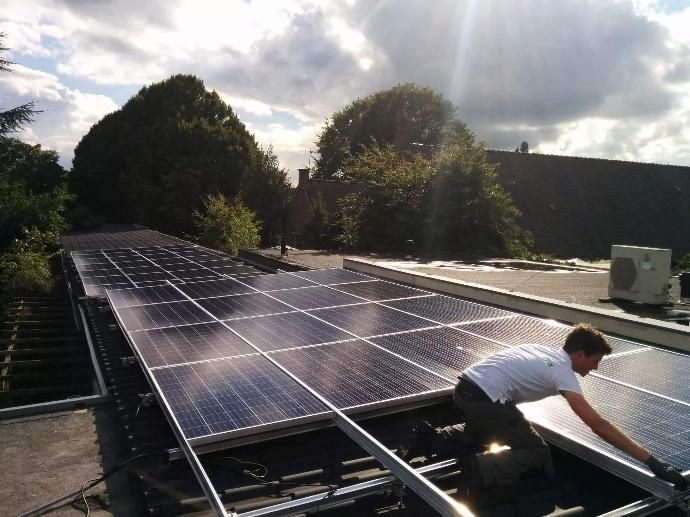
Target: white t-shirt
524,373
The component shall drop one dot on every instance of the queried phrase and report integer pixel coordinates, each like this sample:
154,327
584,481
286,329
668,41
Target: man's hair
588,339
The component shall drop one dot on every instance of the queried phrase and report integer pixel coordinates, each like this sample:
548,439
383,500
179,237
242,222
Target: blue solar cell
443,350
332,276
214,288
447,310
662,372
370,319
277,281
660,424
229,395
376,290
314,297
242,306
286,330
144,317
144,296
520,330
176,345
354,373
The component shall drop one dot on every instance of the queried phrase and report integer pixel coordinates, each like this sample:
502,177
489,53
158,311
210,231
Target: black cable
81,492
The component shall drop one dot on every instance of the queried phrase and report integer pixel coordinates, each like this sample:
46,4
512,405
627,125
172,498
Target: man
487,393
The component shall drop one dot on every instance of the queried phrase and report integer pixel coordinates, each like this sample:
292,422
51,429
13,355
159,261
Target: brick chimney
303,177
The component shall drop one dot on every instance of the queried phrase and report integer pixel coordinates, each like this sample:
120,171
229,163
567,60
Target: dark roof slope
581,206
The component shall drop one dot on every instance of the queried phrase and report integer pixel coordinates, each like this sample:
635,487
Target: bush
25,266
226,225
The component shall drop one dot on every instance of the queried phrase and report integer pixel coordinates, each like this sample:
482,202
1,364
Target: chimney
303,177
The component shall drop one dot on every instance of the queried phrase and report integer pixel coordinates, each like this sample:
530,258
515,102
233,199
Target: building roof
579,207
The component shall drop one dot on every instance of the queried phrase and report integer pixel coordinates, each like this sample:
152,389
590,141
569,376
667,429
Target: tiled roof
579,207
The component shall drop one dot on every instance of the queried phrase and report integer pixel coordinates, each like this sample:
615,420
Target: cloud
585,77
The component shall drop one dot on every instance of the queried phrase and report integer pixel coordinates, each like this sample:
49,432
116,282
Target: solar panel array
152,265
218,351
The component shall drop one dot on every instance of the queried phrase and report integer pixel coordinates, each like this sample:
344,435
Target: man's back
524,373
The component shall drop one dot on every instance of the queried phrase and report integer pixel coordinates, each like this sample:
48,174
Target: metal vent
623,273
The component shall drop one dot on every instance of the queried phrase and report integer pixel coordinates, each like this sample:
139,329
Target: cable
81,492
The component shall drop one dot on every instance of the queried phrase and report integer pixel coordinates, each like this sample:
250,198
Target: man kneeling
487,394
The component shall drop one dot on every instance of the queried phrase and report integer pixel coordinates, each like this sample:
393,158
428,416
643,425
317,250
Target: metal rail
340,495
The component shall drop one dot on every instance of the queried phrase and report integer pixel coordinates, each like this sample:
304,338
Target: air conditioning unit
639,274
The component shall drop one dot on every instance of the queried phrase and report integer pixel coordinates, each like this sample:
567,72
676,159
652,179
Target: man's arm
620,440
603,428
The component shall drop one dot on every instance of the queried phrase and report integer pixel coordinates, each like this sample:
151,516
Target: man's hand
667,472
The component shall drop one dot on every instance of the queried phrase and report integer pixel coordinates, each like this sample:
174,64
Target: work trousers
489,422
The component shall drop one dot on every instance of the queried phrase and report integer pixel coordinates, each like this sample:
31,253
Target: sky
605,78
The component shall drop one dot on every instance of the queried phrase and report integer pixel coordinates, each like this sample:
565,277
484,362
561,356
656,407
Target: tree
316,227
412,119
226,225
154,160
524,148
16,118
466,208
389,208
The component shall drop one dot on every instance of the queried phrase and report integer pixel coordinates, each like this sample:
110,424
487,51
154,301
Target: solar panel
353,374
447,310
662,425
145,317
145,296
314,297
248,392
189,343
376,290
662,372
520,330
370,319
332,276
243,306
287,330
443,350
214,288
277,281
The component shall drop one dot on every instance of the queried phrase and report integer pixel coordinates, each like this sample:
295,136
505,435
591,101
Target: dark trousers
489,422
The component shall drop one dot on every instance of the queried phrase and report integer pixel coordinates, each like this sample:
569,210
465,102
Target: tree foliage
13,119
389,208
450,201
318,224
226,225
411,118
154,160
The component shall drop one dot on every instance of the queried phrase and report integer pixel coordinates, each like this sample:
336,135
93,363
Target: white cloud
602,78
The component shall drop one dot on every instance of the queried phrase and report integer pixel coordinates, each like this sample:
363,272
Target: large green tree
154,160
450,201
411,118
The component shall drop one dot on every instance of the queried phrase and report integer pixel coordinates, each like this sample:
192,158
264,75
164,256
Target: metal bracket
128,361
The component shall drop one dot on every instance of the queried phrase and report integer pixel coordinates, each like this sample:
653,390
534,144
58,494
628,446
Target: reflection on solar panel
242,306
287,330
315,297
444,309
377,290
370,319
355,373
520,330
665,373
332,276
443,350
151,266
189,343
662,425
215,397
